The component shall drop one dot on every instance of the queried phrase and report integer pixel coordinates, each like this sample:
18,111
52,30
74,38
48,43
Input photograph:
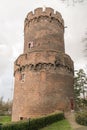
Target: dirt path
70,116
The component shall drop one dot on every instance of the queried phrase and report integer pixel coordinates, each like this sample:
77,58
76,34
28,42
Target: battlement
25,61
47,12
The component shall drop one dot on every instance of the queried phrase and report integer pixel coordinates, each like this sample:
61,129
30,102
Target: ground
5,119
70,116
59,125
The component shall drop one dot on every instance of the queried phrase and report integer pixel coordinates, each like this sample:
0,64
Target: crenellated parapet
47,14
25,62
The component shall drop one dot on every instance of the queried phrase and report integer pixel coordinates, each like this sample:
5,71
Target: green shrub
81,118
16,126
34,124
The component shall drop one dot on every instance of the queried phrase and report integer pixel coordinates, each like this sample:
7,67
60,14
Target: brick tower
43,73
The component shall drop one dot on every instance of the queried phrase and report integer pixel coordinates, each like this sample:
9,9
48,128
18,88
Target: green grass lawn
5,119
60,125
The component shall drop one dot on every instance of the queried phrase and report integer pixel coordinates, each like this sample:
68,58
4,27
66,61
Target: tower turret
43,73
44,30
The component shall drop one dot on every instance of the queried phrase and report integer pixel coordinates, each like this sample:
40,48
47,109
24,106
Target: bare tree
5,107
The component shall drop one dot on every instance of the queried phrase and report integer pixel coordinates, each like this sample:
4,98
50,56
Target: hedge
81,118
34,124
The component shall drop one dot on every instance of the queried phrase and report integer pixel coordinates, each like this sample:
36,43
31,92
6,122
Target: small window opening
30,45
50,14
22,77
21,118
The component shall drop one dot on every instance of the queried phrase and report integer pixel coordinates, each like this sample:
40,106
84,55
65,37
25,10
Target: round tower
43,73
44,30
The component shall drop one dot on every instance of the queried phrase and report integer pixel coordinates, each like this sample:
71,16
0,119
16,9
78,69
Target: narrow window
30,45
50,14
22,77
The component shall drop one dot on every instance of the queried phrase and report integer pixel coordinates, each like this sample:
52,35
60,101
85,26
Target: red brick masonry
43,73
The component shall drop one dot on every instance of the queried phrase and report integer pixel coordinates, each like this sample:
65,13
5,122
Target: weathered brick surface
47,71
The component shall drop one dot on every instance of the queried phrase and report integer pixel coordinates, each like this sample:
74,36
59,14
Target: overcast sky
12,15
